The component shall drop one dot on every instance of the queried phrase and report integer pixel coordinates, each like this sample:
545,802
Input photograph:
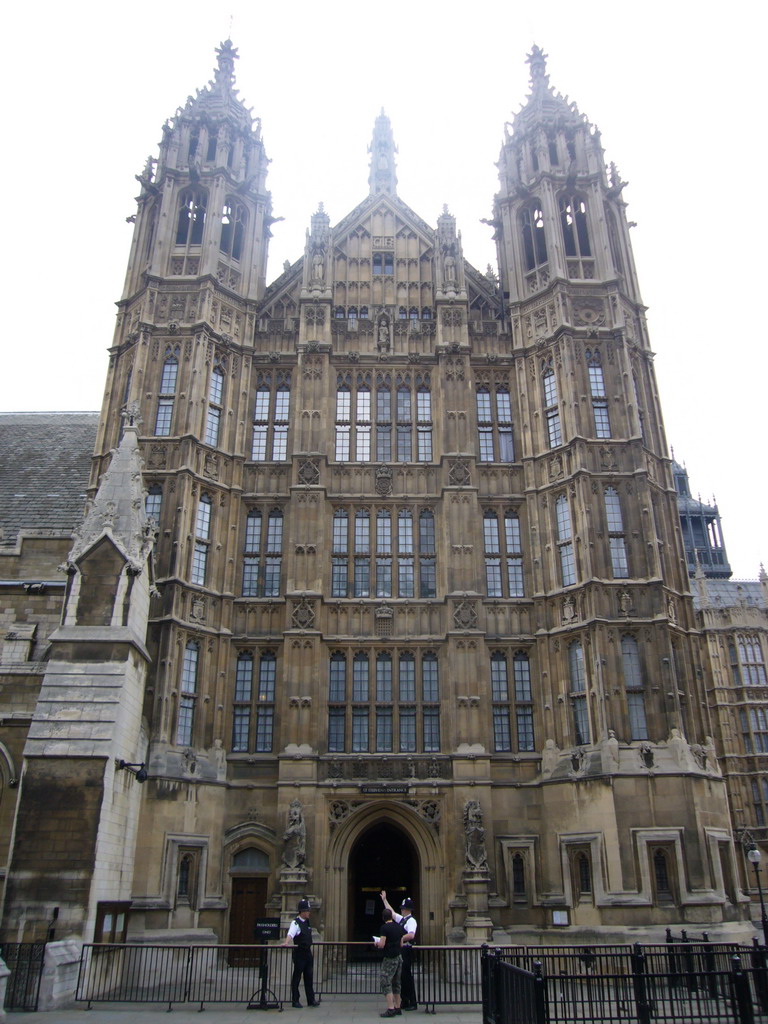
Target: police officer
409,924
300,935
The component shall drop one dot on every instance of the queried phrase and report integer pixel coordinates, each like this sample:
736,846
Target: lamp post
753,855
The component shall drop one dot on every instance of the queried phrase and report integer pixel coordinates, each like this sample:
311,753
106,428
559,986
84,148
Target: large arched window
191,219
573,221
534,238
233,222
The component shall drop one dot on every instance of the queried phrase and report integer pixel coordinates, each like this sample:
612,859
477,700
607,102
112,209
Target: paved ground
339,1008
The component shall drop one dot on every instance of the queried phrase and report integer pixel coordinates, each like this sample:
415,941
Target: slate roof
730,594
45,461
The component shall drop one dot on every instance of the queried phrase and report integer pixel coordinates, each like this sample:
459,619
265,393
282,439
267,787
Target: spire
538,62
224,75
382,149
543,103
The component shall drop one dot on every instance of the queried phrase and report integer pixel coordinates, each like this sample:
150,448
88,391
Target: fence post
760,974
742,997
488,972
539,994
640,985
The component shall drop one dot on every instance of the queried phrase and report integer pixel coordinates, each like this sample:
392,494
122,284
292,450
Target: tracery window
202,540
215,402
578,695
616,536
398,706
188,694
383,263
754,729
388,557
552,408
271,414
574,225
634,687
503,556
263,553
154,502
167,397
504,703
565,541
534,237
599,398
759,788
233,224
190,223
368,412
494,425
747,662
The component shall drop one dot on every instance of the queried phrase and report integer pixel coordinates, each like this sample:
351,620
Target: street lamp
753,855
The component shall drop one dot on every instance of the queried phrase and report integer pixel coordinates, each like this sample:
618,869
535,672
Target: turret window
565,542
599,398
573,221
233,221
153,502
215,399
271,418
534,238
754,730
188,698
202,540
578,695
633,685
167,397
191,220
551,408
616,538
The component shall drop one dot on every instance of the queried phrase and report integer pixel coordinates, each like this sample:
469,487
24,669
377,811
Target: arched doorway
383,857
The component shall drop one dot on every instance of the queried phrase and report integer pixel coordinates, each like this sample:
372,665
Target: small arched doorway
383,857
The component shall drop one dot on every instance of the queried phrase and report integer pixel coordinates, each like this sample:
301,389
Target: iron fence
25,961
665,983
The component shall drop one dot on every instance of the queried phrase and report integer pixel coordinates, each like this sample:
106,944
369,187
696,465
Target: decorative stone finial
538,62
227,54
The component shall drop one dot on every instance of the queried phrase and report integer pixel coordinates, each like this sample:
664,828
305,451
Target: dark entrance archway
384,857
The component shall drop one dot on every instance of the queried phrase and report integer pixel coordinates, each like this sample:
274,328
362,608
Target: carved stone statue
474,835
295,837
450,270
318,266
550,756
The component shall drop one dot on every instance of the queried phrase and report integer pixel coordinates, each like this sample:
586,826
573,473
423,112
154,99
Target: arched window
599,398
191,220
241,709
573,221
583,874
153,502
202,540
565,541
413,313
551,408
233,222
188,694
352,313
494,425
271,418
633,685
662,876
215,400
534,238
402,313
616,537
426,313
166,397
265,702
518,876
578,696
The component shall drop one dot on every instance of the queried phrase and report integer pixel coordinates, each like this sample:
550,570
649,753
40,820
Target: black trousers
407,987
303,965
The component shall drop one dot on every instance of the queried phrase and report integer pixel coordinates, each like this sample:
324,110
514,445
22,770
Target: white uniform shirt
410,925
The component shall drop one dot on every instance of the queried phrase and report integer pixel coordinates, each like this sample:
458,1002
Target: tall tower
424,619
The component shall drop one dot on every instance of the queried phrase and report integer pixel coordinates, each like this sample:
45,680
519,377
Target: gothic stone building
381,576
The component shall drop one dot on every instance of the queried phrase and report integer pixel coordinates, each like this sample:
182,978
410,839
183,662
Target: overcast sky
673,87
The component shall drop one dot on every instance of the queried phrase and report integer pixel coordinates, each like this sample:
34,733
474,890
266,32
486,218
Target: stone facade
423,619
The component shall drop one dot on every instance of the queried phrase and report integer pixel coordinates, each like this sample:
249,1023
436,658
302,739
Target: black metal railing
664,983
25,961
